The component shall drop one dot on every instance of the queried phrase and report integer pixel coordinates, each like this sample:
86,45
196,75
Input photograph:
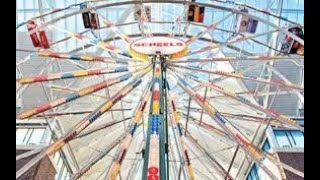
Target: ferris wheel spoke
176,22
97,158
100,44
283,119
230,42
207,29
63,113
222,172
70,75
241,76
230,59
83,124
68,37
67,89
28,153
254,152
205,165
83,92
101,154
125,143
210,127
88,58
239,117
241,71
254,93
21,89
176,122
116,30
279,117
25,59
101,127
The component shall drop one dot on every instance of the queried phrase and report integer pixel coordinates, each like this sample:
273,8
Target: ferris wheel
160,100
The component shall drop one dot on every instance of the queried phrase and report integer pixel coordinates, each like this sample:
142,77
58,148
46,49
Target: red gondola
34,37
44,40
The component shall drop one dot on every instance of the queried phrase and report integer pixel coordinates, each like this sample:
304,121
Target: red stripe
97,58
94,72
43,107
100,86
55,55
156,95
40,78
242,140
200,98
173,106
153,177
153,170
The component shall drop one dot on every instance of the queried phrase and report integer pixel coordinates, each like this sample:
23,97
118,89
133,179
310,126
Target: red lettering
158,44
179,44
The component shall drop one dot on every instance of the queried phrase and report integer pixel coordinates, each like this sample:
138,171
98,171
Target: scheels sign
159,44
165,45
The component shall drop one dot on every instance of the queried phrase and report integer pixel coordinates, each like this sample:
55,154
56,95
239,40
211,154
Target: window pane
253,175
20,135
299,138
282,138
266,147
36,136
64,174
290,138
56,158
59,169
28,136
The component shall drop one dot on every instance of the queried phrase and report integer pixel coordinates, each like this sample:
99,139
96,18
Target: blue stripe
120,69
183,82
75,57
221,118
133,129
136,83
94,116
125,77
180,129
67,75
72,96
126,55
244,100
122,62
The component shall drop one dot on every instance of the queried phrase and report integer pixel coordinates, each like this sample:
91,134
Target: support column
155,157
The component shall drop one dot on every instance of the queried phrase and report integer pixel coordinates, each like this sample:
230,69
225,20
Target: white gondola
245,24
292,46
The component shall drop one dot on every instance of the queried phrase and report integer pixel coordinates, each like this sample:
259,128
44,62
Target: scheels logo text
158,44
